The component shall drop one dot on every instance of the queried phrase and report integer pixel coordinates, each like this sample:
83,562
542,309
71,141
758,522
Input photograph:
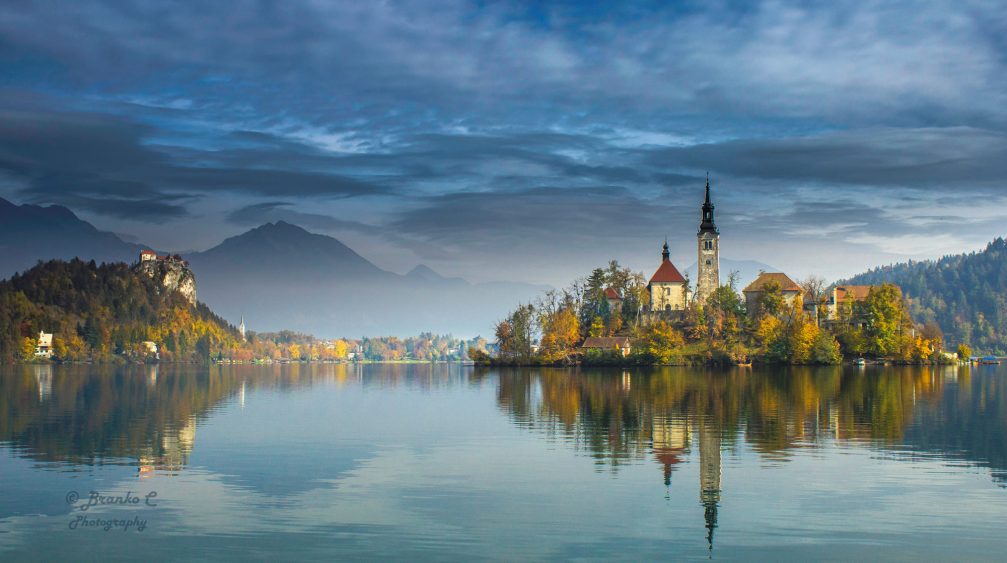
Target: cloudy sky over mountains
514,141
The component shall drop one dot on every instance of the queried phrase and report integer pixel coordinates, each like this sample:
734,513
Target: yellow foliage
768,329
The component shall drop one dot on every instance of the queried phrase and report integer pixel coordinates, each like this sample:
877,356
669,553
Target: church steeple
665,253
708,225
708,279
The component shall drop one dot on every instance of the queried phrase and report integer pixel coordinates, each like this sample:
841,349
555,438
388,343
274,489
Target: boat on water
989,360
860,362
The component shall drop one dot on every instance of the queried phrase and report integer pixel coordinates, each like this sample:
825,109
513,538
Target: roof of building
667,272
611,293
856,292
44,338
786,284
610,342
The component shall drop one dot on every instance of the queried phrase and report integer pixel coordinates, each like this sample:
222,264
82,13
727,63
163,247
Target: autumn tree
661,342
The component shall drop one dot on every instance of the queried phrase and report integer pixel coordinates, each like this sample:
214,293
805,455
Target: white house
44,347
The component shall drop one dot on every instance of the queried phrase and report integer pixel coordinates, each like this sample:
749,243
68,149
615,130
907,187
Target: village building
614,300
788,289
150,348
839,303
668,288
619,344
44,347
708,261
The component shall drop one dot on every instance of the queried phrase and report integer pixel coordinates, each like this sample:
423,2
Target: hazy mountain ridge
279,275
30,233
965,294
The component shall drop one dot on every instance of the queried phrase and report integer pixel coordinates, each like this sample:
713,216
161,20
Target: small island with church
615,316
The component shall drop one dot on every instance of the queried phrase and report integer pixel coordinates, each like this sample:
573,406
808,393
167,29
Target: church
668,288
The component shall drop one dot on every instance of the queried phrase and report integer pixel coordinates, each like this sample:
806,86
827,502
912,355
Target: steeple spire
708,225
666,254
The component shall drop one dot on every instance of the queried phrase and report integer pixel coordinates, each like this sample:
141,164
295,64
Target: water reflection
92,414
617,417
666,422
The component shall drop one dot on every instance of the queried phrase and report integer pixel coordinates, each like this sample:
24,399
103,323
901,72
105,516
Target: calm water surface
454,463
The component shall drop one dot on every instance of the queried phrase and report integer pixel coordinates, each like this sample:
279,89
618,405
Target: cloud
466,130
863,62
270,211
918,158
105,164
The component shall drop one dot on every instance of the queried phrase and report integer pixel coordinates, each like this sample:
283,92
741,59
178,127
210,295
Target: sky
522,141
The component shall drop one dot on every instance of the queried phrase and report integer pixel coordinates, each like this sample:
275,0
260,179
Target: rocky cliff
172,275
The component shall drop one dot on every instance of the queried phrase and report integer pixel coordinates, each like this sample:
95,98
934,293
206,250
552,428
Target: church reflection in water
667,414
147,416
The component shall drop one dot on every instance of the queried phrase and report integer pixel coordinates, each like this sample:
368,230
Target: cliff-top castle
170,271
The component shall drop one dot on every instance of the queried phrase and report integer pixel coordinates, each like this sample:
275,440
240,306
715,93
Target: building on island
708,261
241,328
619,344
44,347
788,289
614,300
839,303
668,289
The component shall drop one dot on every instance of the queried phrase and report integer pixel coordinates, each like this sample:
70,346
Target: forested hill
101,311
965,294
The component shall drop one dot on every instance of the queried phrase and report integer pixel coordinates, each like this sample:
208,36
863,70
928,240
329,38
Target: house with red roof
668,288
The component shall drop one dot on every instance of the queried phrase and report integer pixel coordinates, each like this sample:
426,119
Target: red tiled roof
667,272
611,293
786,284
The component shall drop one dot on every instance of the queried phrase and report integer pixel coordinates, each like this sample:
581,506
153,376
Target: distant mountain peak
285,248
423,271
426,273
29,233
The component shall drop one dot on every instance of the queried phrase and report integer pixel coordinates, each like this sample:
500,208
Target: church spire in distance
665,253
708,225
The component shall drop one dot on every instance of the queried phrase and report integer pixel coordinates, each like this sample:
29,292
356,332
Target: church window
708,263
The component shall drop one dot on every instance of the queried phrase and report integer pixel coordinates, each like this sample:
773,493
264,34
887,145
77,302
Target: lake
449,462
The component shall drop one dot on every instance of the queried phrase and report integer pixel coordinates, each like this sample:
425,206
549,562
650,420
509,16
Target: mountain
965,294
29,233
286,252
280,276
423,273
747,270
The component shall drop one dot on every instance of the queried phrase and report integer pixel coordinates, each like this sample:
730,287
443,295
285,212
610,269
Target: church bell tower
708,263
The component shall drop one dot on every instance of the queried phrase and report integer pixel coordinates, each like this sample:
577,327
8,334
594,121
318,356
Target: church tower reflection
670,444
709,475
